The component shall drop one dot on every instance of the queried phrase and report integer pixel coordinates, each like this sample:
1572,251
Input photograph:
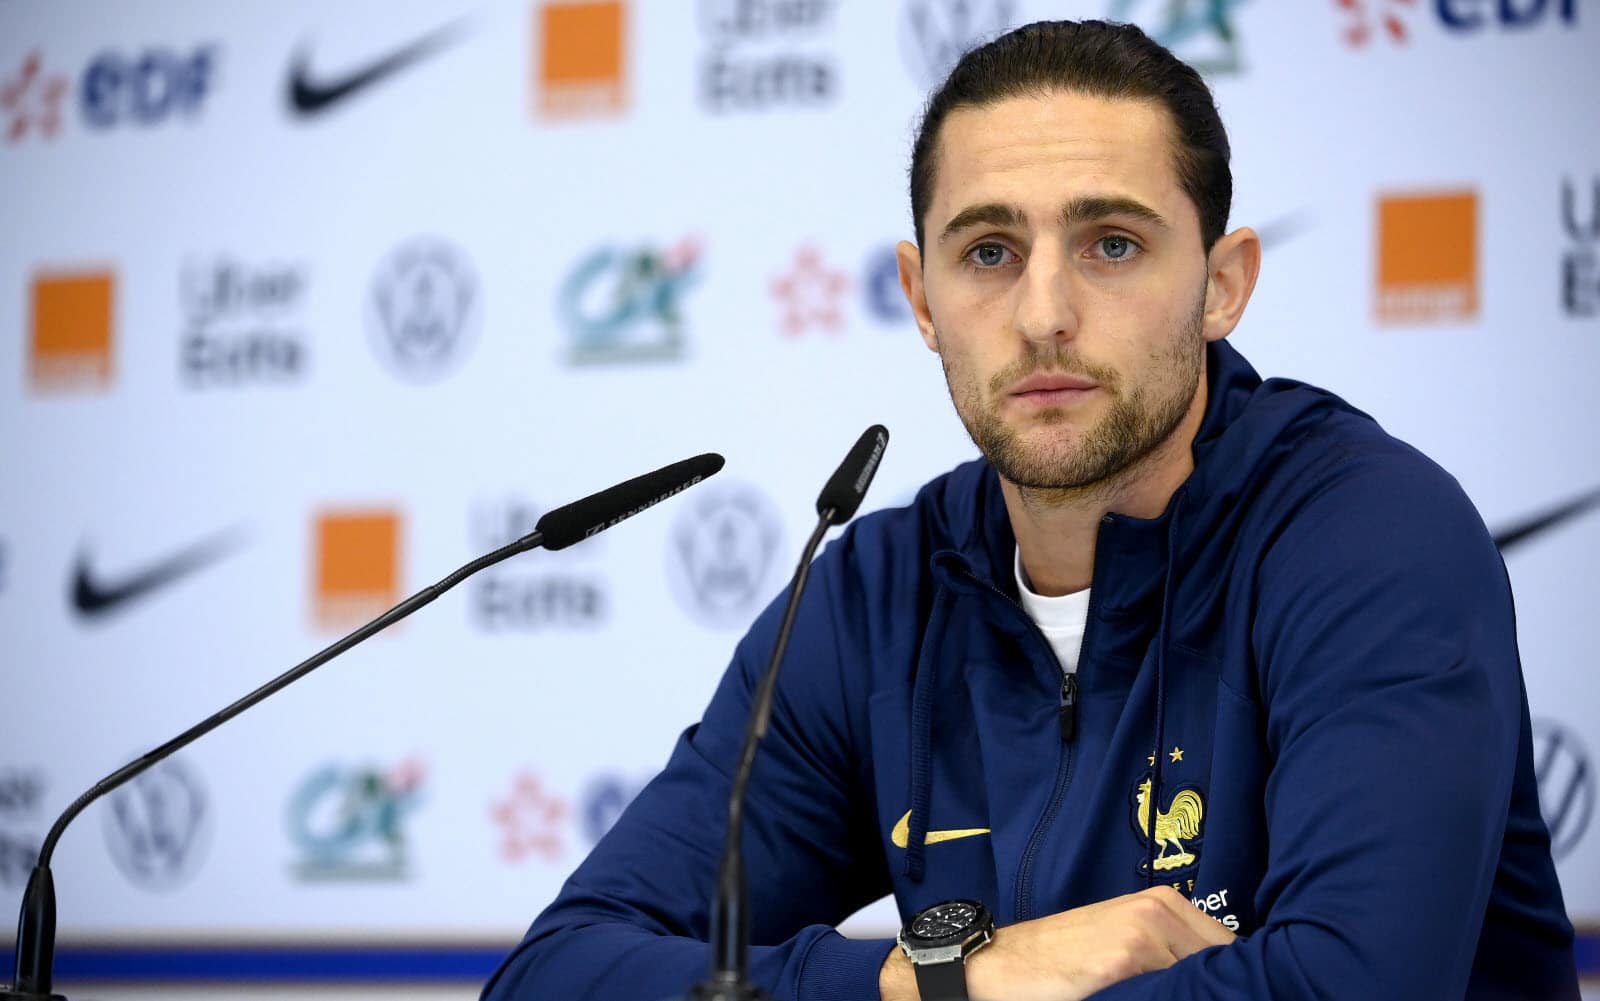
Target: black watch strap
942,981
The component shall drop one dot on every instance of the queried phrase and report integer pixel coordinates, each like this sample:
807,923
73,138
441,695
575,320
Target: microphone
730,917
846,488
36,926
597,512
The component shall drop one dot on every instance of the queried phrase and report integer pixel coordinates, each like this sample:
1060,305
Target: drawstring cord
1153,803
922,739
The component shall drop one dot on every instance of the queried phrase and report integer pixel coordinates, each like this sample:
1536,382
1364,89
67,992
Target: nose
1044,309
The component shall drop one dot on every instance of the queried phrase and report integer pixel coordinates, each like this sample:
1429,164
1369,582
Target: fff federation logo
349,822
626,304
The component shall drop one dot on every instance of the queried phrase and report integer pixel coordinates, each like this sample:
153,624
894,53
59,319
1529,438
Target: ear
910,260
1233,264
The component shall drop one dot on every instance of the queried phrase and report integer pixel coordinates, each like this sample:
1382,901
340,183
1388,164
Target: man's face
1063,284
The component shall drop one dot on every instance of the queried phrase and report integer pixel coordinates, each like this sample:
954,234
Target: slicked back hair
1098,59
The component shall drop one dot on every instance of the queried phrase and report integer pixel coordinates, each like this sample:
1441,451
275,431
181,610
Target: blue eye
1117,248
989,255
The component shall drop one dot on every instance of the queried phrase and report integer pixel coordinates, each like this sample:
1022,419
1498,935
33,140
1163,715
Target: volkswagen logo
422,315
934,34
721,553
156,826
1566,784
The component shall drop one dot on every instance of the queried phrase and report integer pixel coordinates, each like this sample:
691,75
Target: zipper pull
1069,706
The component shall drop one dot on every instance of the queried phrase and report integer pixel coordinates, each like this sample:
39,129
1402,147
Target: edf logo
1471,15
1391,19
146,89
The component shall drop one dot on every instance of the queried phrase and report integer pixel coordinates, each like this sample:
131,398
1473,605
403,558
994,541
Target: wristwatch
938,942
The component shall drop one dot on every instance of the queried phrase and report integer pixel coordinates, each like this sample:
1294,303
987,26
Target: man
1201,687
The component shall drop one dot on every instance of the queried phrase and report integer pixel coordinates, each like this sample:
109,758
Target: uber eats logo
22,823
241,324
562,590
766,54
1580,265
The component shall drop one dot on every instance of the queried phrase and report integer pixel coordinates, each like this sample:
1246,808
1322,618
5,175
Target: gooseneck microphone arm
36,927
572,523
730,916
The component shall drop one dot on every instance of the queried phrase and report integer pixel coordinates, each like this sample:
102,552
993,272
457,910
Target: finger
1192,930
1158,934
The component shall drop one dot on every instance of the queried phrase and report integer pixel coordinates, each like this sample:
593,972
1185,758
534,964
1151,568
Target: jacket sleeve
1386,655
632,922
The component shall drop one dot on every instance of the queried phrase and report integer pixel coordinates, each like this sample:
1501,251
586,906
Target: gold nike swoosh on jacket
901,835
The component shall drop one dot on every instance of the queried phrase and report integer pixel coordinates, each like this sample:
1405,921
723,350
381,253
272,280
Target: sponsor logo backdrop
309,304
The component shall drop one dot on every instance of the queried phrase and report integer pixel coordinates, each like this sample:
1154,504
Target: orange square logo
357,561
1428,258
71,346
581,67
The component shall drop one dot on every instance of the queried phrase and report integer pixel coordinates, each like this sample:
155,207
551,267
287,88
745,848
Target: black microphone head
843,492
599,511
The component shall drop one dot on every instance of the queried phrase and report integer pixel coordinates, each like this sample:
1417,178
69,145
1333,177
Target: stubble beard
1097,459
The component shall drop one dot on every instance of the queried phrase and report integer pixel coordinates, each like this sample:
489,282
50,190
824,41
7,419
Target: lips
1052,389
1051,382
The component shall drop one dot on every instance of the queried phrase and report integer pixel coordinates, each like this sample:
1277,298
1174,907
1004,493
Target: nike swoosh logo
93,597
309,95
1275,232
1514,535
901,835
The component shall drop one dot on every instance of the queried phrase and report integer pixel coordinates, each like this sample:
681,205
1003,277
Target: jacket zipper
1069,728
1069,706
1069,681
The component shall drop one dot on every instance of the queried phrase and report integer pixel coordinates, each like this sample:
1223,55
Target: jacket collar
1130,553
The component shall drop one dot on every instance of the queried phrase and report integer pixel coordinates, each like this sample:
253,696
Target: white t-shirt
1061,619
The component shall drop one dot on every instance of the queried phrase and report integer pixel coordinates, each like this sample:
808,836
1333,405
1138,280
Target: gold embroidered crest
1178,823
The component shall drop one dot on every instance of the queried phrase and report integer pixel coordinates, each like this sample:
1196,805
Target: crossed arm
1392,698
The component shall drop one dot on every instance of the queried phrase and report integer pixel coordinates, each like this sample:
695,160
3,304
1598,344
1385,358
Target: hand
1068,956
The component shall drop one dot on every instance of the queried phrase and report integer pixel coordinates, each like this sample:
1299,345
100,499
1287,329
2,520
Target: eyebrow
1087,208
1094,207
987,214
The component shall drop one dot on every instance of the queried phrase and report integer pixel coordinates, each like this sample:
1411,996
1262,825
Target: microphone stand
36,926
565,526
730,915
730,918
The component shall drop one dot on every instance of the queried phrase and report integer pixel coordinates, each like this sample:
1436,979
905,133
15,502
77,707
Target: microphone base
7,994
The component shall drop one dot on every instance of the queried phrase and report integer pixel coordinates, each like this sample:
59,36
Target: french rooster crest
1178,823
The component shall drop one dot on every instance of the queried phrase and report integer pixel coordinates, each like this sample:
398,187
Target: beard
1073,461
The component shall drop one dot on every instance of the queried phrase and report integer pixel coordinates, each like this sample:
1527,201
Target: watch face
945,920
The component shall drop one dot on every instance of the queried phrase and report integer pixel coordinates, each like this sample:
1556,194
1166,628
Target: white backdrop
419,310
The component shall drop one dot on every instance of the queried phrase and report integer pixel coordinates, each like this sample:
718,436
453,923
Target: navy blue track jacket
1302,680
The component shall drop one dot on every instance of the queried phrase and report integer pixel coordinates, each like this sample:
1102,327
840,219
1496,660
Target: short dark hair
1099,59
